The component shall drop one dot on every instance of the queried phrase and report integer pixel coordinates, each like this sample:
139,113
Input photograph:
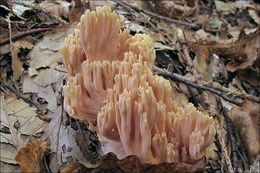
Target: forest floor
209,50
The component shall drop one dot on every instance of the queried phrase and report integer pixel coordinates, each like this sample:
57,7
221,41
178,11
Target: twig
192,25
189,89
221,141
235,93
23,34
172,76
234,148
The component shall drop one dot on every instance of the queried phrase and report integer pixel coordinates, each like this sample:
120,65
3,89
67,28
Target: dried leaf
18,9
45,53
77,10
16,63
247,50
14,137
30,157
159,46
48,77
62,140
200,60
56,8
7,153
243,50
254,16
175,10
225,8
44,118
246,120
9,167
48,94
20,111
44,92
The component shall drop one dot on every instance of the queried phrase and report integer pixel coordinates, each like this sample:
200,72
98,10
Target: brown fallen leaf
110,163
44,118
242,50
16,62
30,157
45,53
56,8
78,8
248,47
246,120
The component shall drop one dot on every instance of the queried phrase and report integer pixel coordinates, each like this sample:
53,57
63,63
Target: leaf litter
223,52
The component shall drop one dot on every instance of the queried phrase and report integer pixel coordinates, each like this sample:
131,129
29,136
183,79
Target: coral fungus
111,83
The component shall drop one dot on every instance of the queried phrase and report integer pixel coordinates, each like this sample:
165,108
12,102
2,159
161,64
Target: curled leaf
30,157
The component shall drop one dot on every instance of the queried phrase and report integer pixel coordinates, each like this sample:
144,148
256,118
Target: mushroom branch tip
111,83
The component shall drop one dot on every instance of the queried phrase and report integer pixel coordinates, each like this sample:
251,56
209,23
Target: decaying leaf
56,8
30,157
243,50
20,111
45,53
226,8
7,153
248,47
62,140
200,61
110,163
44,92
9,167
254,15
177,10
45,118
78,8
48,77
247,120
16,63
14,136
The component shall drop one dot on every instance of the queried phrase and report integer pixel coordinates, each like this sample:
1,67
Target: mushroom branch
111,83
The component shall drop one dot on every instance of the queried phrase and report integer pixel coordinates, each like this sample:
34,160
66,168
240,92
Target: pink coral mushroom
111,83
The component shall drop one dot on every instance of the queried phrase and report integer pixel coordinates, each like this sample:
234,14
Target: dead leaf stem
195,84
22,34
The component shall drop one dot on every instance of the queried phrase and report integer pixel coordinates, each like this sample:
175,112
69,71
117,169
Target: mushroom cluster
111,83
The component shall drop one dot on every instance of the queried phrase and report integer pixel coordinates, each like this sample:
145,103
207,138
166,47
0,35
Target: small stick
234,148
189,89
172,76
23,34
